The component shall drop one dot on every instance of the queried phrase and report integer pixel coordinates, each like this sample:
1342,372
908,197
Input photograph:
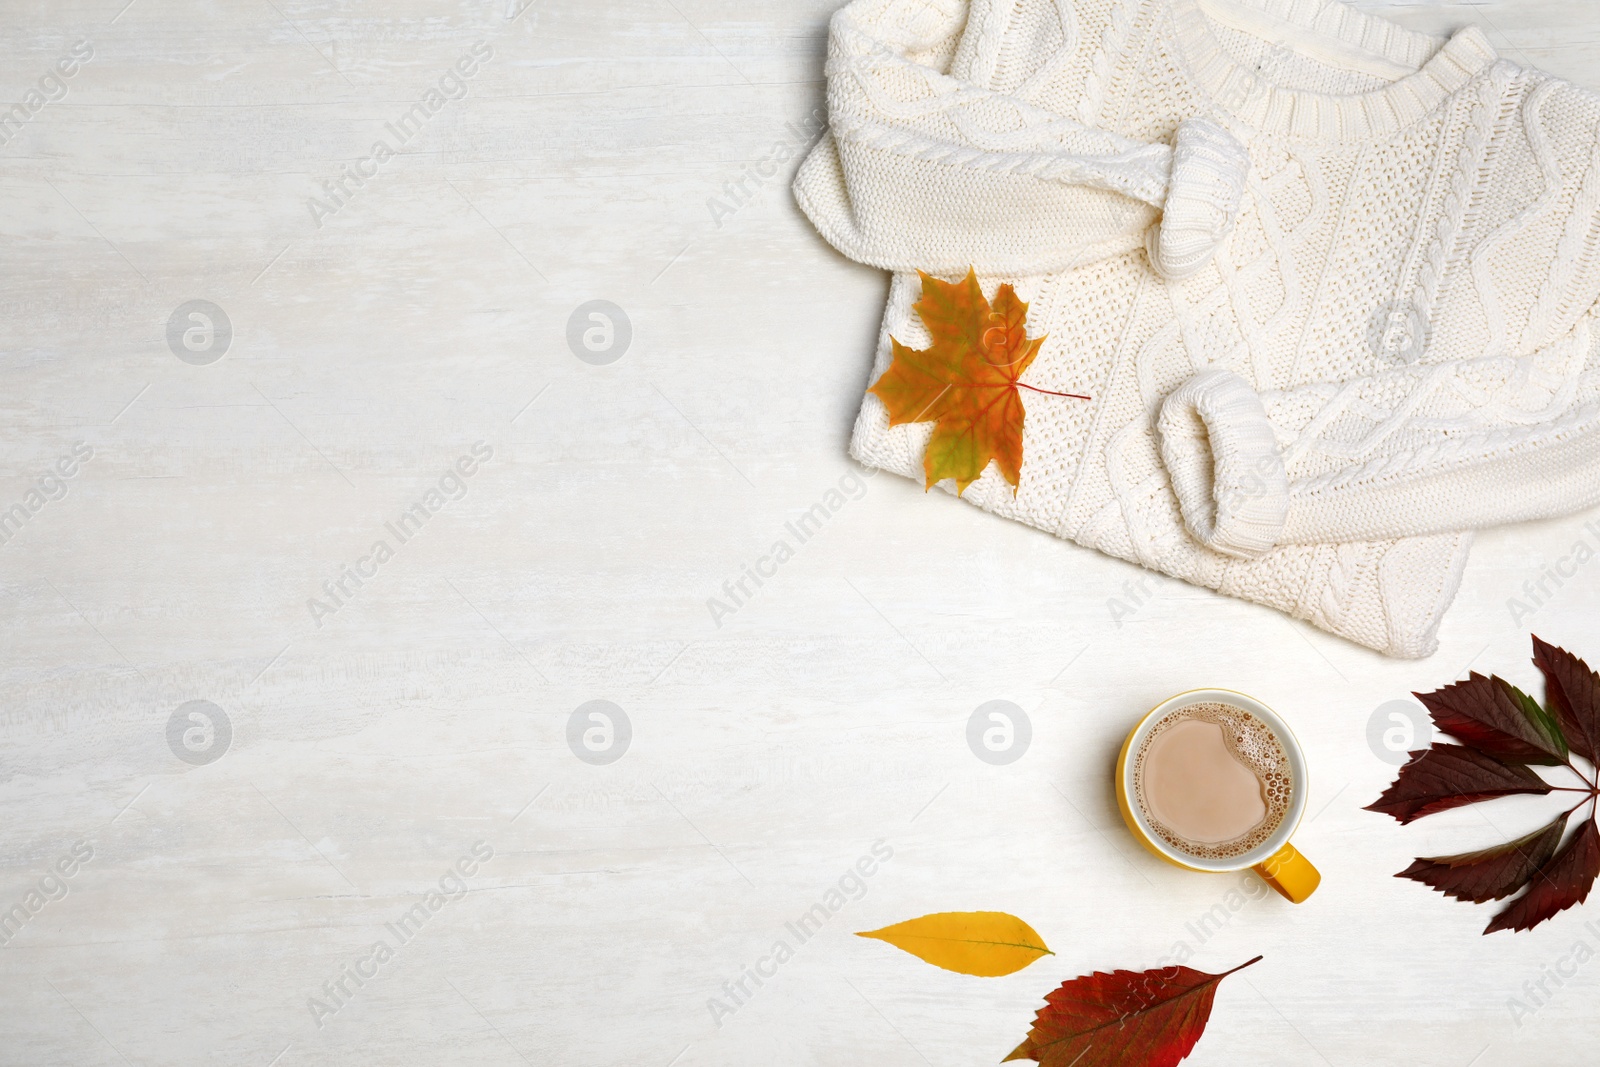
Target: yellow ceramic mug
1275,860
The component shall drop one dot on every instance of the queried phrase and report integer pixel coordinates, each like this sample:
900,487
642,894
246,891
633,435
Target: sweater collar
1341,33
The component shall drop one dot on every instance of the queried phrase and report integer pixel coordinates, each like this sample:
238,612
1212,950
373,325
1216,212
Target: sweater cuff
1222,457
1209,167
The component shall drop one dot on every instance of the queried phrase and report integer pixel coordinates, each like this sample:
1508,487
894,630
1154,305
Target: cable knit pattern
1113,38
1332,283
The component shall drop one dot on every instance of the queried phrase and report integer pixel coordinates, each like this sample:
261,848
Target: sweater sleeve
924,171
1417,449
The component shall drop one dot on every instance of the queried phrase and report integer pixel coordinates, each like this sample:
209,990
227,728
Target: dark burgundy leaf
1573,692
1543,721
1558,885
1123,1019
1448,776
1494,717
1490,873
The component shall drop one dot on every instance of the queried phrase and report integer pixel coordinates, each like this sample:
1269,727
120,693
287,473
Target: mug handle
1290,874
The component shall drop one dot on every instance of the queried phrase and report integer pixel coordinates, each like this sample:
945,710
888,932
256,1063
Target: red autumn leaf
1496,718
1490,873
1448,776
1123,1019
1506,729
967,382
1558,885
1573,692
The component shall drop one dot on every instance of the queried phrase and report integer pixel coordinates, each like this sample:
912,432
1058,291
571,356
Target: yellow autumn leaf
984,943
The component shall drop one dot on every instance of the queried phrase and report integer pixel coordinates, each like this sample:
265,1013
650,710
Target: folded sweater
1331,283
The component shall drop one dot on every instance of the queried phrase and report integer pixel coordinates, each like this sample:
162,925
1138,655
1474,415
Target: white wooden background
430,712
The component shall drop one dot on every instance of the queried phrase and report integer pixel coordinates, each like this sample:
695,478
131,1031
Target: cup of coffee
1214,780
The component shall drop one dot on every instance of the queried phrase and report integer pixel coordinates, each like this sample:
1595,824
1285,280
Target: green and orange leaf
966,382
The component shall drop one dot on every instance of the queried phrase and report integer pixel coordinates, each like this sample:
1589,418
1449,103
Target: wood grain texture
431,710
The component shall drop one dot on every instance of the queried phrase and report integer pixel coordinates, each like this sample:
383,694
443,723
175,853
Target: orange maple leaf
966,383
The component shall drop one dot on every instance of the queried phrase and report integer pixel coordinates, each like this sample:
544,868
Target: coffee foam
1250,741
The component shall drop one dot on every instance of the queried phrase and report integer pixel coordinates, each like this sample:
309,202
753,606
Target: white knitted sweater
1330,282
